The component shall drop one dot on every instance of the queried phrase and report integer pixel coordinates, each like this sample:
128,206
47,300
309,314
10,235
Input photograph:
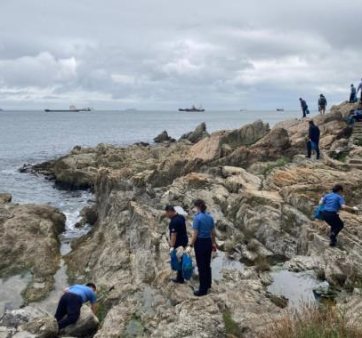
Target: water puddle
10,292
296,286
221,263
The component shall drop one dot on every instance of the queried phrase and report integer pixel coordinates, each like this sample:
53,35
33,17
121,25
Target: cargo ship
192,109
72,109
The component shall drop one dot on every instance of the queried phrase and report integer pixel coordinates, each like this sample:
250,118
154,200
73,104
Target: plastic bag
175,264
318,212
187,267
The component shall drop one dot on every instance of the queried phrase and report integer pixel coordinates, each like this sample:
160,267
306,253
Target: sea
30,137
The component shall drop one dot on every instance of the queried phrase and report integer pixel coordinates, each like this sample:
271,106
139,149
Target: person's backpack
318,212
175,264
187,267
322,101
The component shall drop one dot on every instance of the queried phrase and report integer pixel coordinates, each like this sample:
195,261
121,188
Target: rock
87,324
88,216
163,137
5,198
42,328
198,134
17,318
29,241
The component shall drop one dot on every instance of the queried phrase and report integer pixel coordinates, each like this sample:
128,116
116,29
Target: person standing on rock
353,95
313,140
178,235
70,303
304,106
332,204
322,104
203,239
360,89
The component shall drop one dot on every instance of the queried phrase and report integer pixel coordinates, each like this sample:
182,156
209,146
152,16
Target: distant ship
280,109
192,109
72,109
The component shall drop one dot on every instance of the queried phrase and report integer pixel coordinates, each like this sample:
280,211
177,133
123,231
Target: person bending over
70,303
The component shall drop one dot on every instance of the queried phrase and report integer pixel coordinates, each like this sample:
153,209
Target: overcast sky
165,54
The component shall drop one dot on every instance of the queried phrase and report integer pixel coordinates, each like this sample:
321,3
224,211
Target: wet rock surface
29,241
262,194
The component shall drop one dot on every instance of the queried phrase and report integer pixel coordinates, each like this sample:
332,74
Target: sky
165,54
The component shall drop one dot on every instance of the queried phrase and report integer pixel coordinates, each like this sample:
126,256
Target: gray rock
163,137
46,327
5,198
198,134
86,324
16,318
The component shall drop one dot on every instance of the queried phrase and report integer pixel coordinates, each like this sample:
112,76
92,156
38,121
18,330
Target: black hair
169,208
311,122
337,188
91,285
201,205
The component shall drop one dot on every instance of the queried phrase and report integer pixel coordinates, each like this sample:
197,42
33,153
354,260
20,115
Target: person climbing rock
322,104
353,94
332,204
313,140
70,303
203,239
178,235
304,106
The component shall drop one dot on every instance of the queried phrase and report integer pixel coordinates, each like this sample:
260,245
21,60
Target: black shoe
332,244
177,281
199,293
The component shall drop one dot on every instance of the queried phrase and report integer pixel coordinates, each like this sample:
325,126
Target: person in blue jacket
70,303
332,204
353,94
304,106
203,240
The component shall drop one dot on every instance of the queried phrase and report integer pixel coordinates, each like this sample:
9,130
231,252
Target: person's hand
171,249
188,250
355,208
213,248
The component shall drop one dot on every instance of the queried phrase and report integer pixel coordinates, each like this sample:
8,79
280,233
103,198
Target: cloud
162,54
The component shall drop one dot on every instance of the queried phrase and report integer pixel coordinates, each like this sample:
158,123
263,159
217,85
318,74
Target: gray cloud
162,54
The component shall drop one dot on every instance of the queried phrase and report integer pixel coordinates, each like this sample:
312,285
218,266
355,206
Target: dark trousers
68,310
336,224
351,98
309,149
180,277
203,250
304,111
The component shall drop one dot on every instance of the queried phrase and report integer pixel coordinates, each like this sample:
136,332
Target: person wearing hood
322,104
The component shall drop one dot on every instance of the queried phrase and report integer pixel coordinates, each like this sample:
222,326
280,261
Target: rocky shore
262,192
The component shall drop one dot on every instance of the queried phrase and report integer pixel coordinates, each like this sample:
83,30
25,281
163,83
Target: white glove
355,208
188,250
171,249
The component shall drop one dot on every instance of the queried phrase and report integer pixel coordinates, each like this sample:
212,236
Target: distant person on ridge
332,204
313,140
304,106
353,95
204,240
70,303
360,89
322,104
178,235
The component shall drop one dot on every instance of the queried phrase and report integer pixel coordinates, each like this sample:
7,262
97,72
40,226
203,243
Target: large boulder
198,134
87,324
163,137
29,241
5,198
46,327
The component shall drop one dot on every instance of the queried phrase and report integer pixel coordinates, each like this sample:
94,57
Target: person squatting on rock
203,240
332,204
304,106
70,303
322,104
313,140
178,235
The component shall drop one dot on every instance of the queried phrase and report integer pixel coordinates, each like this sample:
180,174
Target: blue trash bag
314,145
318,212
187,267
307,111
175,264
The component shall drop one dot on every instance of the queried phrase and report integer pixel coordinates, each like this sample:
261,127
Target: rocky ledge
262,193
29,242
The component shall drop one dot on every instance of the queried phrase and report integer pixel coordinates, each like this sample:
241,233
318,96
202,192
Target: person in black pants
304,106
313,140
178,235
70,303
203,239
332,204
